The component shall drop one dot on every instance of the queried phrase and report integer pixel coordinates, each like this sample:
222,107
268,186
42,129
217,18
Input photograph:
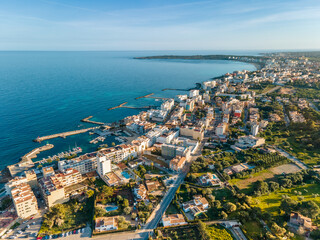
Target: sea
43,93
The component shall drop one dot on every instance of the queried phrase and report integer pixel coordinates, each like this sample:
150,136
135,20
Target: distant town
236,157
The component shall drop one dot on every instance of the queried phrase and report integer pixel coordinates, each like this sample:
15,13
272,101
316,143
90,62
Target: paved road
294,159
158,212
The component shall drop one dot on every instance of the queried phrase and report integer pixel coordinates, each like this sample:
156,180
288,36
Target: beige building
24,200
47,171
196,133
68,177
52,191
177,163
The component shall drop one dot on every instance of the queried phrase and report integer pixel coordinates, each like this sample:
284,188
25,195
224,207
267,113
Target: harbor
63,135
87,120
60,156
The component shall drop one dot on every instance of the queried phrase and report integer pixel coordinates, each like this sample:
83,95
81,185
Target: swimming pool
125,174
111,208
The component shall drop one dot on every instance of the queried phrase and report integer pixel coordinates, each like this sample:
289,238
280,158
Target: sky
159,25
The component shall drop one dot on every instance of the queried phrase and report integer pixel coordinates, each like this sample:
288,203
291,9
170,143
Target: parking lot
27,229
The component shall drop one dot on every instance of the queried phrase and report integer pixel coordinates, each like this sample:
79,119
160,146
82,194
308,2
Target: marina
63,135
61,155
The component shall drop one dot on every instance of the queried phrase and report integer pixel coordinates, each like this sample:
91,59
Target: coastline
10,162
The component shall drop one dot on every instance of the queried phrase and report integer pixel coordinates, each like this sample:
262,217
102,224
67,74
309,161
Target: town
235,158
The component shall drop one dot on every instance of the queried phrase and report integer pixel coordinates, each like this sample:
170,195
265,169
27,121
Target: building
196,206
210,179
84,164
173,220
298,220
193,93
140,192
68,177
30,179
111,179
106,224
177,163
189,105
52,191
152,185
168,137
103,164
119,153
47,171
24,200
196,133
254,130
245,142
221,129
170,151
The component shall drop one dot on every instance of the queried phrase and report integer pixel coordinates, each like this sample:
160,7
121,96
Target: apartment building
84,164
52,191
24,200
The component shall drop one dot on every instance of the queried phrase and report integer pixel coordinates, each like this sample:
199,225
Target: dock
87,120
145,96
121,105
63,135
26,160
142,107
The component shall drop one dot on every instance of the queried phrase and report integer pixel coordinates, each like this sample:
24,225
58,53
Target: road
158,212
294,159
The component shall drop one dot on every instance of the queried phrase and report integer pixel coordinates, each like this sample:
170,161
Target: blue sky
159,25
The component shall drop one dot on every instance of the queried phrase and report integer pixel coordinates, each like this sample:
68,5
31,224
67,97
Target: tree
125,202
133,216
119,198
230,207
203,231
90,193
277,229
100,212
107,191
310,209
223,215
127,210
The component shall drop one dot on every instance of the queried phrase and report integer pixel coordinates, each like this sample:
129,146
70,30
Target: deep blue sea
42,93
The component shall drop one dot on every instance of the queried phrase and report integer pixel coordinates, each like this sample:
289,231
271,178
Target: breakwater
63,135
145,96
87,120
120,105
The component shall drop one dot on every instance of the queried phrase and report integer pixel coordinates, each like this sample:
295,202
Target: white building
193,93
106,224
103,164
254,129
173,220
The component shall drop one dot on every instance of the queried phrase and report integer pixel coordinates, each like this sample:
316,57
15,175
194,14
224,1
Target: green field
252,229
218,233
270,203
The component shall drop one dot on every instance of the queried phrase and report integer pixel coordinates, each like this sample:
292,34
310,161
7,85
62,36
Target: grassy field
246,183
271,202
189,232
218,233
172,209
252,229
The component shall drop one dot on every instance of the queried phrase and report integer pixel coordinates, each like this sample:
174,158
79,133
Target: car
33,223
19,231
38,238
77,231
12,237
25,221
31,218
74,232
28,226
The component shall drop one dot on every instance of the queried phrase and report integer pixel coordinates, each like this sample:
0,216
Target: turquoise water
43,93
125,174
110,208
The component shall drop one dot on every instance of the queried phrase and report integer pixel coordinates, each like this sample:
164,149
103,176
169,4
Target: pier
142,107
63,135
87,120
35,152
145,96
119,106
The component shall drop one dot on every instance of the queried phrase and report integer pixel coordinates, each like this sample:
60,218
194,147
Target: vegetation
68,216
